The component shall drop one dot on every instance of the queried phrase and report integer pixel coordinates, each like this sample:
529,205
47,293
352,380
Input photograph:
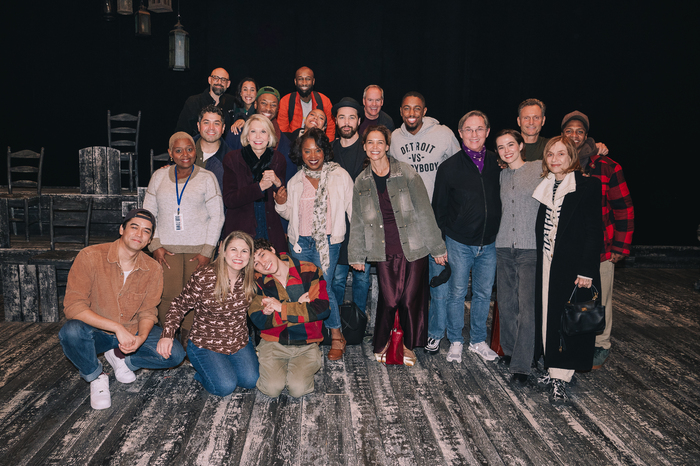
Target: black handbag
583,317
353,324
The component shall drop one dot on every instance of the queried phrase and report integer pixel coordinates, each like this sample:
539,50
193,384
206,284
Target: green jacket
418,230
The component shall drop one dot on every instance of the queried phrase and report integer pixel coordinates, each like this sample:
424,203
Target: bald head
304,81
218,83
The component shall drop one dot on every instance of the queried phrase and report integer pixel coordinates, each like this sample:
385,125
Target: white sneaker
483,350
121,370
455,352
99,392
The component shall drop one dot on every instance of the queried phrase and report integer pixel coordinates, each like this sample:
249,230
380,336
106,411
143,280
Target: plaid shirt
618,211
298,323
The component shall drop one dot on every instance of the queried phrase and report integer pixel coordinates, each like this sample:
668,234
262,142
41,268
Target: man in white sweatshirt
424,143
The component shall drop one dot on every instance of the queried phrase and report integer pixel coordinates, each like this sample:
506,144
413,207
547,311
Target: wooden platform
642,407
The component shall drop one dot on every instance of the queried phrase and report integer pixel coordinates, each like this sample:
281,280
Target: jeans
516,305
220,374
82,343
360,285
310,254
481,261
437,314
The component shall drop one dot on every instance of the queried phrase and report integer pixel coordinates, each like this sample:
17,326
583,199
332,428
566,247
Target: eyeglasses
217,79
478,131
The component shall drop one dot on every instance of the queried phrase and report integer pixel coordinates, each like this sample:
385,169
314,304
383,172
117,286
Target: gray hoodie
425,151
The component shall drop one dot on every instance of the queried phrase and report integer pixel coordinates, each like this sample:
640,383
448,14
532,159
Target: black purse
584,317
353,324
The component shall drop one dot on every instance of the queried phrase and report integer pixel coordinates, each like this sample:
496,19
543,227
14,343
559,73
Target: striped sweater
298,323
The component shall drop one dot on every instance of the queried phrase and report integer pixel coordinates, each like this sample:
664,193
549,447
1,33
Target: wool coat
579,240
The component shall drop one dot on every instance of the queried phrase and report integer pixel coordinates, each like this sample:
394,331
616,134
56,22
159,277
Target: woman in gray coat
393,225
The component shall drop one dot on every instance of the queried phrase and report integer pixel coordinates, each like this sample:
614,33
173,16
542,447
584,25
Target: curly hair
321,140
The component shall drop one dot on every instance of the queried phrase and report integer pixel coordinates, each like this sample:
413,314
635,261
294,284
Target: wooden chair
125,137
24,200
69,220
164,157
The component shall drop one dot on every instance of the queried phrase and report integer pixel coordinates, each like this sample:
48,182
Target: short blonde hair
268,125
177,136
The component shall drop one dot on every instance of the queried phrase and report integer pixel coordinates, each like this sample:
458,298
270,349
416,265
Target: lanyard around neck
178,193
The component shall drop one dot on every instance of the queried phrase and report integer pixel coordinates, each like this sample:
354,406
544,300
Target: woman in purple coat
252,177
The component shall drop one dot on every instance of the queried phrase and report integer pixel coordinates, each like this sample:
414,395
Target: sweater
426,150
201,208
298,323
518,207
219,327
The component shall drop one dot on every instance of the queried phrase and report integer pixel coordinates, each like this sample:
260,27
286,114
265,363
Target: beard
347,132
305,93
218,90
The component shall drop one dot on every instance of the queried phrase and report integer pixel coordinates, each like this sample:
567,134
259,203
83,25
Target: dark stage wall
632,69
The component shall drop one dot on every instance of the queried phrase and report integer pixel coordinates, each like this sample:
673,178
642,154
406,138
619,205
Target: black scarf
257,165
587,150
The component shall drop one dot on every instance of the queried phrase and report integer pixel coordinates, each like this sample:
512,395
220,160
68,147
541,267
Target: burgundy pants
403,285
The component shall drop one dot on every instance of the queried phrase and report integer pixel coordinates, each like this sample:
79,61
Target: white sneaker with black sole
433,346
99,392
121,370
483,350
455,352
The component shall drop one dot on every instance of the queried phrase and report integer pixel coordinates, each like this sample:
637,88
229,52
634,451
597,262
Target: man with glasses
467,205
215,95
296,106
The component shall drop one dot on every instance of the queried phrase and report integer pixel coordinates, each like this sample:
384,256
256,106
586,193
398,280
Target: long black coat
577,250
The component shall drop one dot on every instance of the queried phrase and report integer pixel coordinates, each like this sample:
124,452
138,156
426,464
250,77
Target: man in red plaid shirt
618,217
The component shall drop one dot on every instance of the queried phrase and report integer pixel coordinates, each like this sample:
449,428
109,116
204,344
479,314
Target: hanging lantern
108,10
143,22
179,48
160,6
124,7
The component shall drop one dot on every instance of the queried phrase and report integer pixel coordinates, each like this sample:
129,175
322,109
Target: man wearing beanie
110,306
618,217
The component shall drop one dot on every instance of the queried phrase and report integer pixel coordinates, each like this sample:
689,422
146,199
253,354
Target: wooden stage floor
642,407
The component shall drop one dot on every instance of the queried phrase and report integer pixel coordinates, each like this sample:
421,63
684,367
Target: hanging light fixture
124,7
108,10
179,46
160,6
143,21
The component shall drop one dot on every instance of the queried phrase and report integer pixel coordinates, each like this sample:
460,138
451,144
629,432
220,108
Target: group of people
271,201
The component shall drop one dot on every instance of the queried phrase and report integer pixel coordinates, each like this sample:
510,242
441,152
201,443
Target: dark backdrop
631,67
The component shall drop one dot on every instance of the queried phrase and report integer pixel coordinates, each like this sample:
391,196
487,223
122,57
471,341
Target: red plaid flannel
618,211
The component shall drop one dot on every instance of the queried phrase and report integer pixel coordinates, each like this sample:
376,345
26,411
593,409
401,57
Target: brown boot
337,348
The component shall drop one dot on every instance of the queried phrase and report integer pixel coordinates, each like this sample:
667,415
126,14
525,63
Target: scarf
320,211
477,157
587,150
257,165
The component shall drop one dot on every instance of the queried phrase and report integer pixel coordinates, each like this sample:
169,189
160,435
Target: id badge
179,225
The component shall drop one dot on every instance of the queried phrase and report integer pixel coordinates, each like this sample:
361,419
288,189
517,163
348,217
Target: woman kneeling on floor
219,347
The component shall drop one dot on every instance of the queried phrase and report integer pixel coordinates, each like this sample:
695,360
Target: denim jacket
418,230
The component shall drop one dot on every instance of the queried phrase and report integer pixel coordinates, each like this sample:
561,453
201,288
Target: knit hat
348,102
576,115
268,90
